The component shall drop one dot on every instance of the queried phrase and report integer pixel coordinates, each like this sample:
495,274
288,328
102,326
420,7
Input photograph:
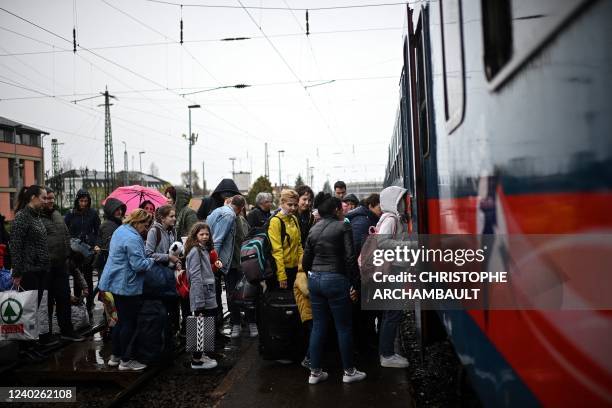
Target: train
504,126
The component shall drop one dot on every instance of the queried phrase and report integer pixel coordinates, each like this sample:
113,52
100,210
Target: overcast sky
342,127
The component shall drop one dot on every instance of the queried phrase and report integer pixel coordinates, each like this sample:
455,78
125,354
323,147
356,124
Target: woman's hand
283,284
16,281
353,294
173,258
97,249
177,274
218,264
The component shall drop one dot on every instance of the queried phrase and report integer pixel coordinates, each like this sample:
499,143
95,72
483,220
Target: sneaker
253,332
131,365
306,363
353,376
204,363
71,336
316,378
235,331
395,361
113,361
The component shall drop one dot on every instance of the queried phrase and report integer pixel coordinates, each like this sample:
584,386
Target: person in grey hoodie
159,238
202,299
392,225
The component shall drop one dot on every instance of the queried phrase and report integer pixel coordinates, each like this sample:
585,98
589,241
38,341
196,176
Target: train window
515,30
497,27
421,85
452,59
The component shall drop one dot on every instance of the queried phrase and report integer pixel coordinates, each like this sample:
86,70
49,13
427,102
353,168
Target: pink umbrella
133,196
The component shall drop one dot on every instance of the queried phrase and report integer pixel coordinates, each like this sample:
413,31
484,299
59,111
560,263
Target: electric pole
280,184
267,164
125,164
109,161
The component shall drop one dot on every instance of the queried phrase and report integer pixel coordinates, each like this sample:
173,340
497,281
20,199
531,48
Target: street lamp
141,175
280,184
191,139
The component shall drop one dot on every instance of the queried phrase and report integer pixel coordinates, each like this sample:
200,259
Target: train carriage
504,127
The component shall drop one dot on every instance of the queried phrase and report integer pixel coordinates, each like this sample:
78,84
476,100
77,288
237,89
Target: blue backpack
256,258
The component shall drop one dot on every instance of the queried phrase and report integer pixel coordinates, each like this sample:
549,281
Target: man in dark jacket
304,213
114,211
226,188
258,216
83,223
364,217
58,285
185,216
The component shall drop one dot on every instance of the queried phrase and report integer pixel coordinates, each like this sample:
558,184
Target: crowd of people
315,244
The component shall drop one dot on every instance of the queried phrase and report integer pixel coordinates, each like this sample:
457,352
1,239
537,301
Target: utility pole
191,139
307,172
233,159
125,164
109,161
203,179
280,184
267,164
141,175
311,176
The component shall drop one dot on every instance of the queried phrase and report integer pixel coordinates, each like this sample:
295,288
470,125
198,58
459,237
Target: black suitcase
280,327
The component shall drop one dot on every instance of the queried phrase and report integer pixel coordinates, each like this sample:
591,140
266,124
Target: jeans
231,280
329,294
59,294
125,330
388,329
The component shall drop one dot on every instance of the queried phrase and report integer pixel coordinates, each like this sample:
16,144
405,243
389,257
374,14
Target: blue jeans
388,330
329,295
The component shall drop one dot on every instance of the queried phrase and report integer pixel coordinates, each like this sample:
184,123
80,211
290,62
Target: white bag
19,315
79,316
43,314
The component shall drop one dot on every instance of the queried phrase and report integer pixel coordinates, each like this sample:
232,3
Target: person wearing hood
304,211
58,284
185,216
349,203
83,223
226,188
114,211
392,223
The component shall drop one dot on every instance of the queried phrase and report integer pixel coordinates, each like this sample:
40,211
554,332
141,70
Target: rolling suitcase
280,328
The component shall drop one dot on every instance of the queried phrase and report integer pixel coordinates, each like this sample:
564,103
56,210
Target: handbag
245,293
79,316
200,333
19,315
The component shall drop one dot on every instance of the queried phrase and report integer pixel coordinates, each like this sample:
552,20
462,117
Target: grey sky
322,124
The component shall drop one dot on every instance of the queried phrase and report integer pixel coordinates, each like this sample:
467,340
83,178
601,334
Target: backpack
370,244
256,258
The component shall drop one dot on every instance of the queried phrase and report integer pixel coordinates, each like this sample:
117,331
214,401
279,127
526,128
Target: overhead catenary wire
226,6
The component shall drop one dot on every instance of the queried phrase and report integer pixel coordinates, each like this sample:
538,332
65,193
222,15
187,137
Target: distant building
243,181
362,189
68,183
21,161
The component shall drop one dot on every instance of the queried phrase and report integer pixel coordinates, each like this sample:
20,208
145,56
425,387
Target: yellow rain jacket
288,253
302,296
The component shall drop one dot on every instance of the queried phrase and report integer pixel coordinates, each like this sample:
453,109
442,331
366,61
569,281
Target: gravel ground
435,379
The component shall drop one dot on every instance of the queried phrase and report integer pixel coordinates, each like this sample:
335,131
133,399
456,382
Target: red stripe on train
557,372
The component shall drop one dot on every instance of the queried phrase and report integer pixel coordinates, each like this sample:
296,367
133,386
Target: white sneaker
316,378
395,361
235,331
205,363
132,365
253,332
353,376
113,361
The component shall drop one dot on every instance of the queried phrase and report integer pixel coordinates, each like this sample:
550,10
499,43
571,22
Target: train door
417,59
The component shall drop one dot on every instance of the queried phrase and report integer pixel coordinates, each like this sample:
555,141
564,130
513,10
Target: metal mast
109,161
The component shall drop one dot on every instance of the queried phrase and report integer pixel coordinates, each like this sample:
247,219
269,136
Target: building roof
7,123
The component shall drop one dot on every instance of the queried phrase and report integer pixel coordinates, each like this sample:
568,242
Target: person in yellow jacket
286,248
302,299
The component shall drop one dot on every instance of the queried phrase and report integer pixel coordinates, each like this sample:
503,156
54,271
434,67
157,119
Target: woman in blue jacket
123,276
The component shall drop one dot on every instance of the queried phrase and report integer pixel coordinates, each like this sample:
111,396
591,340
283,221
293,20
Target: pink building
21,161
